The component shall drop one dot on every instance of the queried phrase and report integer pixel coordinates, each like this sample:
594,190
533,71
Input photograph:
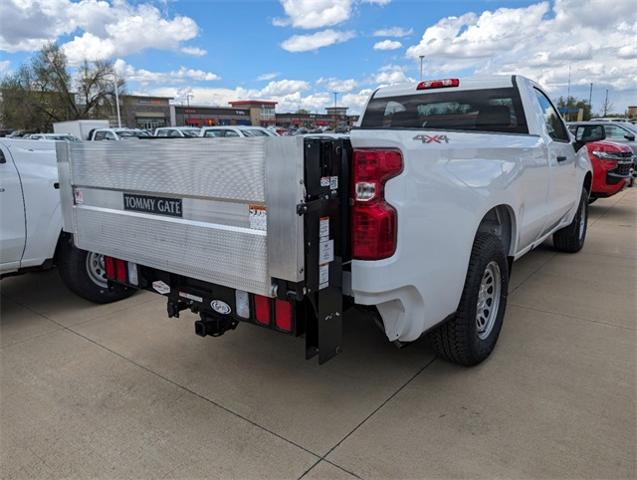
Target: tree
43,91
572,102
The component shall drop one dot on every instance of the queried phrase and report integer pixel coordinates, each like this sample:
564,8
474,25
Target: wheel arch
588,182
500,221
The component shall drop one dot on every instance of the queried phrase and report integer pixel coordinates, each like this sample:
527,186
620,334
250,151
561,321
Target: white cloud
391,75
314,13
314,41
356,101
377,2
194,51
267,76
596,38
393,32
284,87
146,77
337,85
5,67
387,45
101,29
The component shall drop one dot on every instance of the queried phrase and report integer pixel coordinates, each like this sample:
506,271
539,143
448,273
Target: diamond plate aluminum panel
225,255
228,168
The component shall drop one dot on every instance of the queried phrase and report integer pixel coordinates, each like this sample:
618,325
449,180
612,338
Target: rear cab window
484,110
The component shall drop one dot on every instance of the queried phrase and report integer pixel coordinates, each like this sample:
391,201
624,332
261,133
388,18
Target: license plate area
168,206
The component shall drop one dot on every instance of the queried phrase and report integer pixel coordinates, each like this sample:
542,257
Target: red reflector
120,270
109,266
262,309
429,84
283,317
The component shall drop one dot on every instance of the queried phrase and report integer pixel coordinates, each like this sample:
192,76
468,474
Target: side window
173,133
554,125
213,133
110,136
99,136
231,133
614,132
162,133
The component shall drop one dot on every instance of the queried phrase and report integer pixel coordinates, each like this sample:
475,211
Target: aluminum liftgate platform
265,216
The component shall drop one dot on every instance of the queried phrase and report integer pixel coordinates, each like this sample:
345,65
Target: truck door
562,172
12,220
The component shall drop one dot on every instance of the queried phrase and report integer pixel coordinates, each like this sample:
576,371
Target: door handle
561,159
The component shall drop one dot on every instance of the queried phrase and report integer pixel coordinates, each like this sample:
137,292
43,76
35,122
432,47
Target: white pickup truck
31,236
416,218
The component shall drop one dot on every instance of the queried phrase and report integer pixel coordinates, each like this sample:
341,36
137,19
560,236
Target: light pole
335,118
116,85
422,57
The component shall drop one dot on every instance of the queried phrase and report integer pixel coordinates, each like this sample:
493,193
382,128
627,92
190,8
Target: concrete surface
120,391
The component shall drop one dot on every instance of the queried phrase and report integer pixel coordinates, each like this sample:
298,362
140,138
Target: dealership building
150,112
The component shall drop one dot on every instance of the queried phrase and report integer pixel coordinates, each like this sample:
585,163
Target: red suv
612,167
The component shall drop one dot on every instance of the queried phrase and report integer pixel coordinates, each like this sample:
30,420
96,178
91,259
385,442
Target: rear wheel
570,239
83,273
470,336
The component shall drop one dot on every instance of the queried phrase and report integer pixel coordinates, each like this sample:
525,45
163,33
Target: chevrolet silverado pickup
31,236
416,218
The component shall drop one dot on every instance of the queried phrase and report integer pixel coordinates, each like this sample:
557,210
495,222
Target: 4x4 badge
432,138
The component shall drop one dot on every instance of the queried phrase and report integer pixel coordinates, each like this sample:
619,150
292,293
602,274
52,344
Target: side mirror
630,137
588,133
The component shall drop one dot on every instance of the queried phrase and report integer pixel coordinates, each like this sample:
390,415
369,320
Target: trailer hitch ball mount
214,325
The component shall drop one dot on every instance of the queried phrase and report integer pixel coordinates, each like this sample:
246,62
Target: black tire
459,340
73,268
570,239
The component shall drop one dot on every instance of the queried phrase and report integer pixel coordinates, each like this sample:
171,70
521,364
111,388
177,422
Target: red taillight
446,83
120,270
374,221
283,312
262,309
109,266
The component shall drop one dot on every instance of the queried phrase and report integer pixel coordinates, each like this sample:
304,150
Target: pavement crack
597,322
178,385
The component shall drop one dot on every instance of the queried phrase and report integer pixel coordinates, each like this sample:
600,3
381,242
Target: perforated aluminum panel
217,180
231,169
231,256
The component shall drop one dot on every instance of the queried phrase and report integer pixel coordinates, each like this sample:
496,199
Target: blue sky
218,50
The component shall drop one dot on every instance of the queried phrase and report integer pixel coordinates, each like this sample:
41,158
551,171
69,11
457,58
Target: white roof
466,83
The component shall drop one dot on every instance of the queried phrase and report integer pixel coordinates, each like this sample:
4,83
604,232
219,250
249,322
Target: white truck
417,218
79,128
31,236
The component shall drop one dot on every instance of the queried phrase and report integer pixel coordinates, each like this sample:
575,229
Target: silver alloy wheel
582,221
488,300
95,269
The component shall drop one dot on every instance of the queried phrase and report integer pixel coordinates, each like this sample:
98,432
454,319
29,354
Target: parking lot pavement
120,391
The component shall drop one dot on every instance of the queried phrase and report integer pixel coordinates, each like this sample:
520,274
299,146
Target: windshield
194,132
132,133
253,132
490,110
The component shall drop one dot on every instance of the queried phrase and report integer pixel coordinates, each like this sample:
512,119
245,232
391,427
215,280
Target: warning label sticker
325,181
324,276
258,217
324,228
334,183
326,251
